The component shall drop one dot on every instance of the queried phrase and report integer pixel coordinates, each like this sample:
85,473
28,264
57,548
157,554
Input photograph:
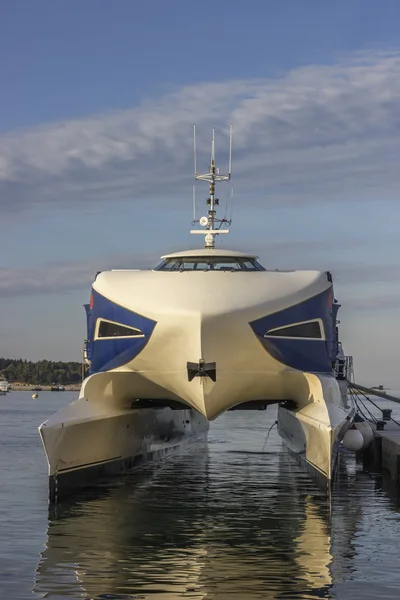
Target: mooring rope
355,394
356,399
269,431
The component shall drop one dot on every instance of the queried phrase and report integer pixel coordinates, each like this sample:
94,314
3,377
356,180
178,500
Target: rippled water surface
227,521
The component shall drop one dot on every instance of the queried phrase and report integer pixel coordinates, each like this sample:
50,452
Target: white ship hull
313,433
87,441
194,357
90,439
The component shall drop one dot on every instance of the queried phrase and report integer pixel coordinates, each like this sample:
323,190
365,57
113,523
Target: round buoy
353,439
35,395
366,431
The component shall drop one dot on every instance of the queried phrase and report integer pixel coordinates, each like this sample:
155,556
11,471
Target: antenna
211,223
230,151
194,203
231,213
194,150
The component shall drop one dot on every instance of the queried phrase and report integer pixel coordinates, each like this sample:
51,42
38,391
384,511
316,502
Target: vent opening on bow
307,330
110,330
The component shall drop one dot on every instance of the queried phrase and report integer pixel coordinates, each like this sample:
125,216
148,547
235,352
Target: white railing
344,368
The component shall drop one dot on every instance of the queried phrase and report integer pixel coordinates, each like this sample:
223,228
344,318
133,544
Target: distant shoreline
26,387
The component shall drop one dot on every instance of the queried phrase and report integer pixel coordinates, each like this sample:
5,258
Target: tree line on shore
43,372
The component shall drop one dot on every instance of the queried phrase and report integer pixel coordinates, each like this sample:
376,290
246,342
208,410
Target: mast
212,225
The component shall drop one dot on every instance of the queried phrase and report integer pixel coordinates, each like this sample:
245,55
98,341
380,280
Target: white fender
353,439
366,431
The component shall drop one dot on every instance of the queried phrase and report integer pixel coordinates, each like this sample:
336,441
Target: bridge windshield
215,263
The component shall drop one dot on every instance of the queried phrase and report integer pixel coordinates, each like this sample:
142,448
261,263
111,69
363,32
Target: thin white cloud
63,276
315,133
374,281
375,302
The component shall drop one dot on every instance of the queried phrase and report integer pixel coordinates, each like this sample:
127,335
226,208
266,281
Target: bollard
386,414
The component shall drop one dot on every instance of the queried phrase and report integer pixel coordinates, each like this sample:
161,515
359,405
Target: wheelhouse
209,260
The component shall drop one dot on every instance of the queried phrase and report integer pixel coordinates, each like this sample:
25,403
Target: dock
383,454
390,452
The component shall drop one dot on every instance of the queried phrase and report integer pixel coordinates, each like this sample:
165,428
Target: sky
97,105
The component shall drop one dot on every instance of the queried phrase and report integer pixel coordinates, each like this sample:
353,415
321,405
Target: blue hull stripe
303,354
112,353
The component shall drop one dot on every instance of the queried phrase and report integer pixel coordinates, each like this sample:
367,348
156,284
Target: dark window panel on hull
107,329
311,329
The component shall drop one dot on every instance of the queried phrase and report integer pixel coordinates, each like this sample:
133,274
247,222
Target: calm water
227,522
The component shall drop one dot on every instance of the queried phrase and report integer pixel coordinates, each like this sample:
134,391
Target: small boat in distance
57,388
4,387
206,331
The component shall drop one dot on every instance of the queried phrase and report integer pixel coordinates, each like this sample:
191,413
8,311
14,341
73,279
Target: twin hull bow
170,351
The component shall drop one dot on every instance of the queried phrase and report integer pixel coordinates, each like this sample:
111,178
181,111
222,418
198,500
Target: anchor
202,369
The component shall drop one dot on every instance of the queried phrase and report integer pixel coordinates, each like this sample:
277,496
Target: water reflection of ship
215,536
